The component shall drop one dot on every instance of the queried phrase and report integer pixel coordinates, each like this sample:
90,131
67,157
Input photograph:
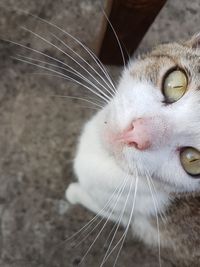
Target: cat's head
153,122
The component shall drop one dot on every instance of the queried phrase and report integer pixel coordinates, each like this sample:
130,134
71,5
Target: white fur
99,175
101,166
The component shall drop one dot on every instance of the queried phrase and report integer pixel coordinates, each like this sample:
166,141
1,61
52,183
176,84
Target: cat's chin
128,164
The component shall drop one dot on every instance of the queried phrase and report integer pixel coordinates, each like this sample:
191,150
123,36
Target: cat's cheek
112,147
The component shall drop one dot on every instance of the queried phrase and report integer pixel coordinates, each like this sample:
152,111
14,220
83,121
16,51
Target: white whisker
58,67
93,56
59,49
118,197
128,225
157,221
100,213
62,76
46,55
117,38
94,219
117,224
123,237
112,230
78,98
98,102
109,208
89,65
162,214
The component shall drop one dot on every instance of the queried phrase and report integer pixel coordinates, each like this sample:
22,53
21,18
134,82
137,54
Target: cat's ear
194,42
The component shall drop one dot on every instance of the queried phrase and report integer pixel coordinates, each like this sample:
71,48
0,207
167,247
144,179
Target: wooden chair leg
131,20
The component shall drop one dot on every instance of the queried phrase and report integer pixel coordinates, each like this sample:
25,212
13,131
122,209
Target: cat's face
153,122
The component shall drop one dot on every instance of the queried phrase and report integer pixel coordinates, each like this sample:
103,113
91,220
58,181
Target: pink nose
139,134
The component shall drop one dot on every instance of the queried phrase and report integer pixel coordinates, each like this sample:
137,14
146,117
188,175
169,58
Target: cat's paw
75,194
72,193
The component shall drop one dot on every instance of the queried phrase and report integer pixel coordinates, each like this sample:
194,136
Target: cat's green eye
175,86
190,160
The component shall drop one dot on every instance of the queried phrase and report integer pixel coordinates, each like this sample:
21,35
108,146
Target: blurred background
39,132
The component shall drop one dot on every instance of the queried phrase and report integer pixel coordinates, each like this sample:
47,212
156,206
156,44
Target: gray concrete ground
38,135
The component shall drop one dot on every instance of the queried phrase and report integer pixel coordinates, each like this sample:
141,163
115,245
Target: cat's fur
101,164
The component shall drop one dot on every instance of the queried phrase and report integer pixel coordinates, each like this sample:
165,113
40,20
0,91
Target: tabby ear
194,42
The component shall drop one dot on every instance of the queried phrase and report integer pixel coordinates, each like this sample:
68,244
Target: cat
138,158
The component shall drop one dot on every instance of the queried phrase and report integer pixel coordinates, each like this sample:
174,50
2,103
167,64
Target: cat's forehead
177,52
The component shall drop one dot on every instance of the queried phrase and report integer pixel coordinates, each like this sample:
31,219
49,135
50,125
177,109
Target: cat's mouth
134,166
